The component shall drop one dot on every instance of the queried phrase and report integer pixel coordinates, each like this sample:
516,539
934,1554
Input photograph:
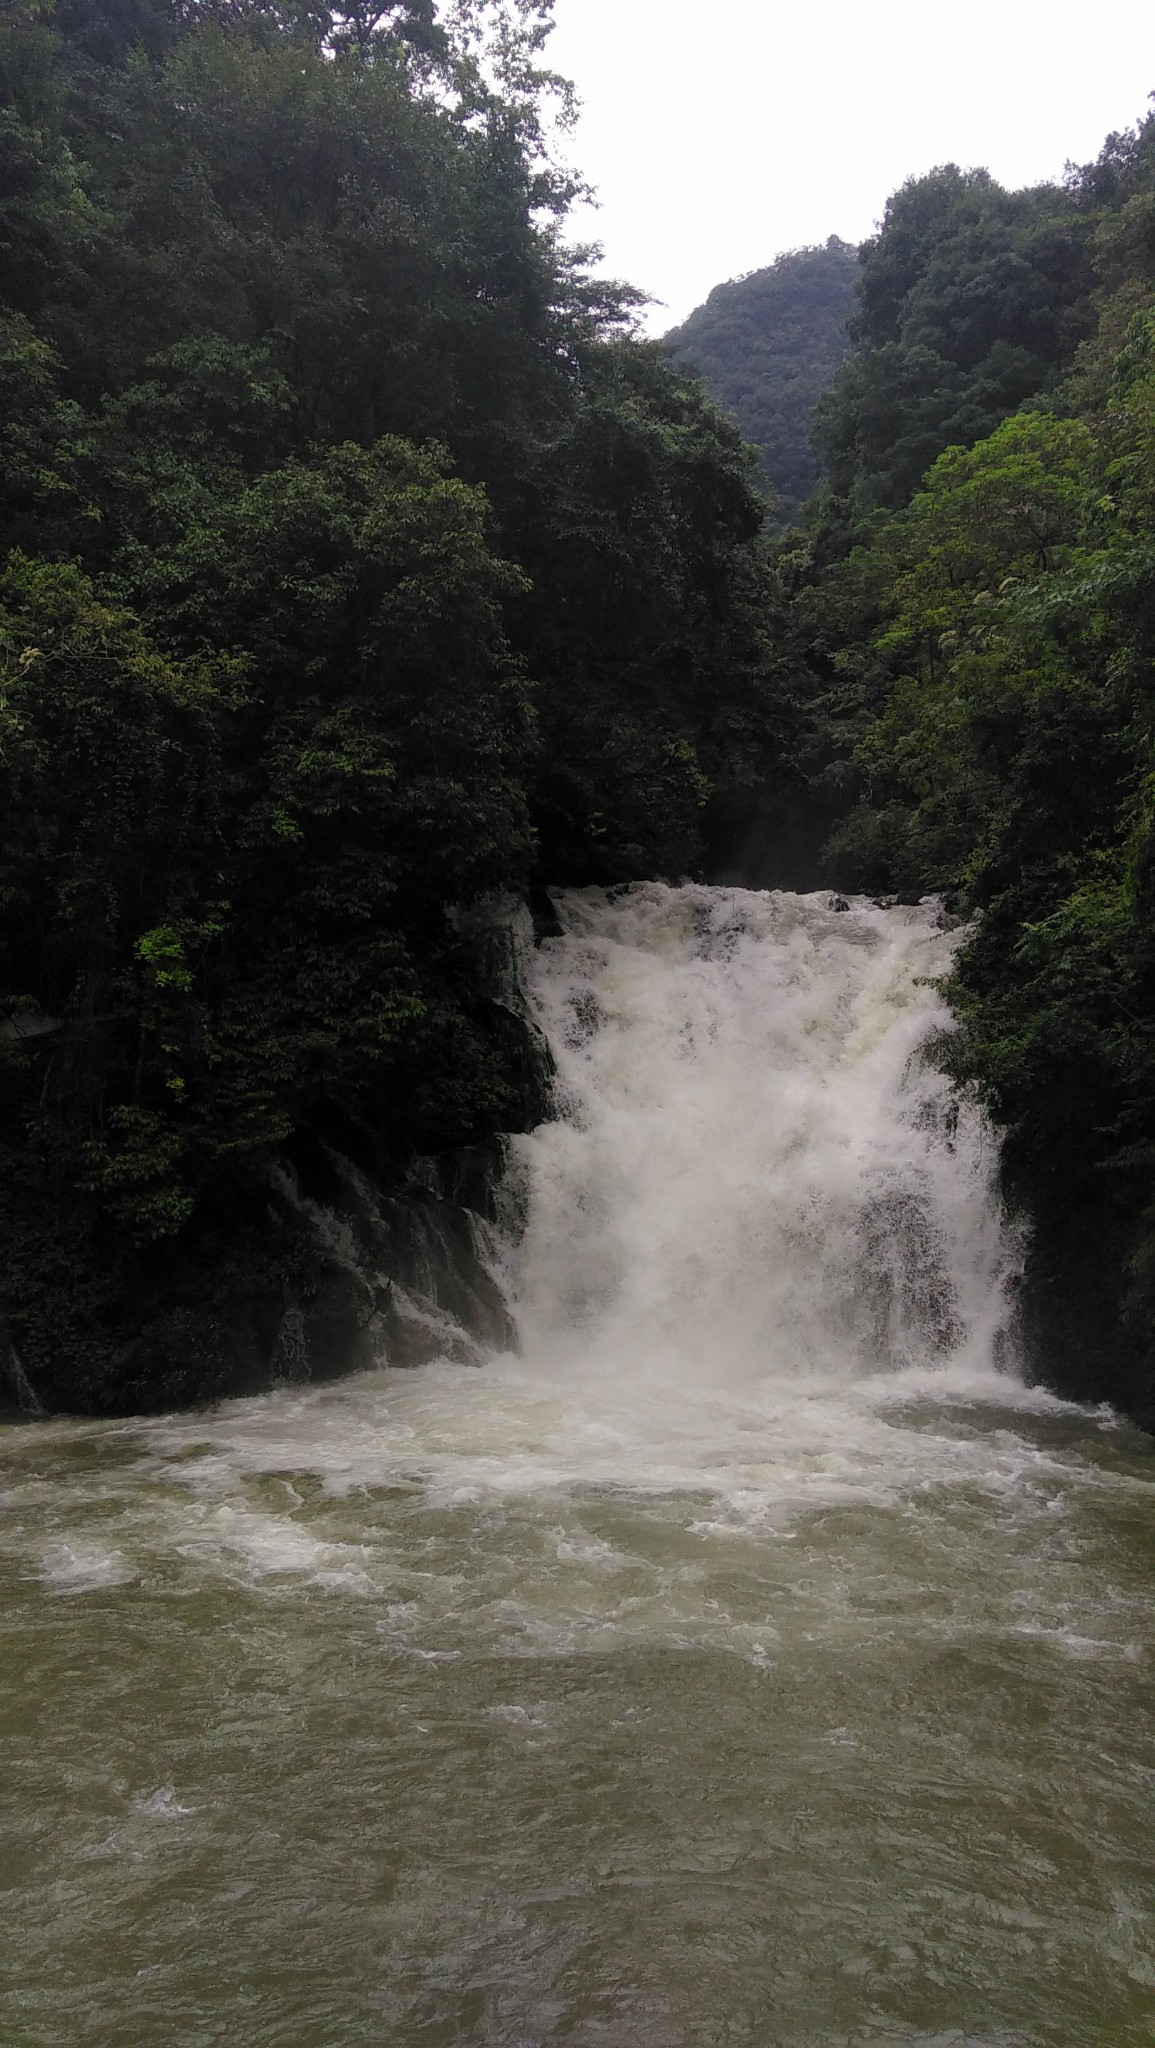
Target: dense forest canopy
971,300
360,563
766,346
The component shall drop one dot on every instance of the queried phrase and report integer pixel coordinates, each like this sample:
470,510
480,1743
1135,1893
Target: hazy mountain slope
766,346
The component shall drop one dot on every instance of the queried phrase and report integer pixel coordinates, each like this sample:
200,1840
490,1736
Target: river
756,1657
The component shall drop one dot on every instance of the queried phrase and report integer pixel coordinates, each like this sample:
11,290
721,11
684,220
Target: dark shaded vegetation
360,566
766,347
971,601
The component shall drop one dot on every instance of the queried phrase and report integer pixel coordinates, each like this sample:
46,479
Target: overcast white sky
720,133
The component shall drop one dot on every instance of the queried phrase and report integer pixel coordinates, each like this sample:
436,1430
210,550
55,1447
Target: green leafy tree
971,299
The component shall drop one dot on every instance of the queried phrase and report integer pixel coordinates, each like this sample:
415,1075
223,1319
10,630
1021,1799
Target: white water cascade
756,1177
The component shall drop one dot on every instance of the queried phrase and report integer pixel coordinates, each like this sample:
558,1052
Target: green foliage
766,346
971,300
652,655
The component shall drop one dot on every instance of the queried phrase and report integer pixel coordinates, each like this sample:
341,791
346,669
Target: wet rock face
403,1263
315,1273
402,1278
17,1394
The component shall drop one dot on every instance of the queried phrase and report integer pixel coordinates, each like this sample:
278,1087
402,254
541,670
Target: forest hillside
766,346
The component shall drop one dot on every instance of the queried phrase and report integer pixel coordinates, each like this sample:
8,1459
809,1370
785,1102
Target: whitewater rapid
757,1177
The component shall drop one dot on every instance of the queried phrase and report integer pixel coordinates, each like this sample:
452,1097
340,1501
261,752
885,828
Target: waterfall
755,1173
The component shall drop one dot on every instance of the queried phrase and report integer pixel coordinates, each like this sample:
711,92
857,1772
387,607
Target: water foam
756,1177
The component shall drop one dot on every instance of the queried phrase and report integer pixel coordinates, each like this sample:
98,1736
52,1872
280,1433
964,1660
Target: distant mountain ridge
766,346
